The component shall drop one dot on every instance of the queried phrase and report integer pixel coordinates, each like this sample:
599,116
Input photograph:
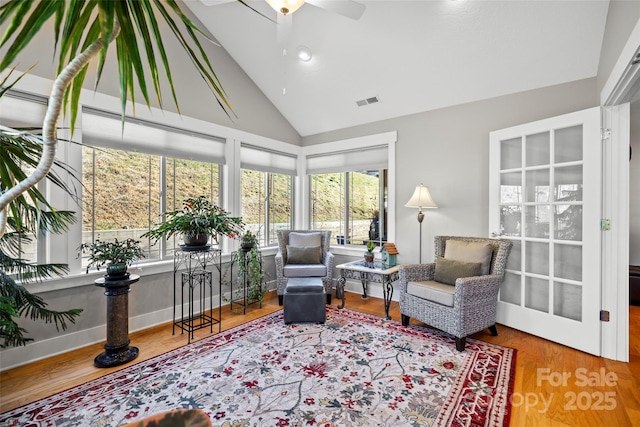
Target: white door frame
623,83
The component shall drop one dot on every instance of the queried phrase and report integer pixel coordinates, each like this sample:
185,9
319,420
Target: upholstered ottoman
304,300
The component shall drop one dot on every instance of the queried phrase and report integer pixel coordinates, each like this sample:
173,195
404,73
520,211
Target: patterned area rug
355,370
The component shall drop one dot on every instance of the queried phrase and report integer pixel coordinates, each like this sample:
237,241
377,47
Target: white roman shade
105,130
19,109
266,160
375,157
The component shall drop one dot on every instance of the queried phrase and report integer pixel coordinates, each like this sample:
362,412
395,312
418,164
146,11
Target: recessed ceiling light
304,54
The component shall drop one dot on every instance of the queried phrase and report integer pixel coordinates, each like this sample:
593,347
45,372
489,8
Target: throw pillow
305,239
304,255
448,270
470,252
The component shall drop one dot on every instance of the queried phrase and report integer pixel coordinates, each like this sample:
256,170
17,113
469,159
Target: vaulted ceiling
414,56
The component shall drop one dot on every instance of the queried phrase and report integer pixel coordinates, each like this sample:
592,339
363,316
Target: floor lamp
421,199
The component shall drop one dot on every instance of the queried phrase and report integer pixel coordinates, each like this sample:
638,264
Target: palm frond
11,335
16,300
137,20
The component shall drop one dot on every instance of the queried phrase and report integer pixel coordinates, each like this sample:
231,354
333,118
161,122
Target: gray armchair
320,266
440,295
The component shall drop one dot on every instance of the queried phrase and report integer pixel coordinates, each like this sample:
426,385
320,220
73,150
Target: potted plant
117,255
251,275
248,241
368,255
196,221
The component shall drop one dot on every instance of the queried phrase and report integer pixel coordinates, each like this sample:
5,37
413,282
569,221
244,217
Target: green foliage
16,301
28,214
371,245
249,238
250,273
198,215
20,151
139,45
116,252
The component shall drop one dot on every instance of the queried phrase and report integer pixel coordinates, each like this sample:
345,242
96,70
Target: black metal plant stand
117,350
195,281
244,297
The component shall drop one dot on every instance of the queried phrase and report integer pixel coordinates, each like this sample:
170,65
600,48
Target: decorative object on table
248,241
304,253
389,254
421,199
356,369
457,294
340,240
117,255
117,350
196,222
368,255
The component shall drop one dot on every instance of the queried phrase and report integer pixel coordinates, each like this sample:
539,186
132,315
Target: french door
545,196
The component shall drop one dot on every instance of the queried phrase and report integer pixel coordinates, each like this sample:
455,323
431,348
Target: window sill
143,269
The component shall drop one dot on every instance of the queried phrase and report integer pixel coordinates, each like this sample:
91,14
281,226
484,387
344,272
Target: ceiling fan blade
348,8
285,23
214,2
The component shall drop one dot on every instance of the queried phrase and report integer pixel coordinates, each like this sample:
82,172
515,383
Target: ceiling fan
285,8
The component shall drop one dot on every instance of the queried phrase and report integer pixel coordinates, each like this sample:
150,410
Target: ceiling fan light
304,54
285,7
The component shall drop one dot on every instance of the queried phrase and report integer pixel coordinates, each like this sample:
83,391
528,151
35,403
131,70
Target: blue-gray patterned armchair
458,293
296,258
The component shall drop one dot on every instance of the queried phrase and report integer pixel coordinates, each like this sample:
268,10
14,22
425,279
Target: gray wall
448,150
152,293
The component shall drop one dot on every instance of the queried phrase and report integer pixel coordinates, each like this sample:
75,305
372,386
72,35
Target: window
122,195
267,200
350,182
126,191
267,191
189,178
349,204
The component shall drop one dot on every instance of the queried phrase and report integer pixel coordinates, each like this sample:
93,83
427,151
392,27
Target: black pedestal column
117,350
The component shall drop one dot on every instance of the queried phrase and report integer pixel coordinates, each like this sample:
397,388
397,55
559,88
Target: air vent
367,101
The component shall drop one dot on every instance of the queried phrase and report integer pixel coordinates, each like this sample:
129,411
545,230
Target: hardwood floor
596,391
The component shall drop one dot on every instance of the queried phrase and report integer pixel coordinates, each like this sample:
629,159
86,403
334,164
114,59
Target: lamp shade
285,6
421,198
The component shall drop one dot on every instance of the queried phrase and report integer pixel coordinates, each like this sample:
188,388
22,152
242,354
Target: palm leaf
16,300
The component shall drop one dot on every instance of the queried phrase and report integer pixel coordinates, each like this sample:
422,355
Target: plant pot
368,257
246,246
117,270
195,238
